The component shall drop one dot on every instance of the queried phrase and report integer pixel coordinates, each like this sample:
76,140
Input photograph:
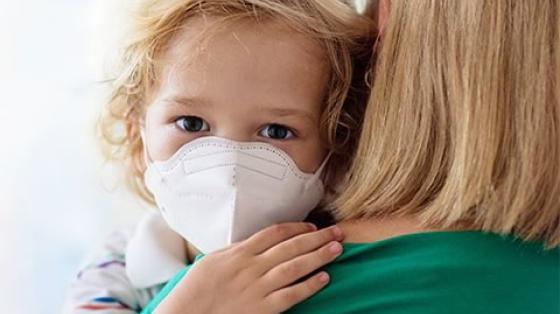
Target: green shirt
435,272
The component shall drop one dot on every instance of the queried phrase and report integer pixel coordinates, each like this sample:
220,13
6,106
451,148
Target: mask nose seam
233,204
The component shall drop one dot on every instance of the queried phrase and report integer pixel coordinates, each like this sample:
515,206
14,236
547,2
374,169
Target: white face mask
215,191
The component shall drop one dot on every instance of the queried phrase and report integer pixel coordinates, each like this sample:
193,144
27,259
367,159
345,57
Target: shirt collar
155,253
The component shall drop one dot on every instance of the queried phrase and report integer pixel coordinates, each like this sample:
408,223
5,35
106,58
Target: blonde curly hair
341,31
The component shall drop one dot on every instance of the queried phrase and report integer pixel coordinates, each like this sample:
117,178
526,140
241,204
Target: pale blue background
57,199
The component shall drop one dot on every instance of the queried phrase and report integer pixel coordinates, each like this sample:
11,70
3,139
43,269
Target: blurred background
58,199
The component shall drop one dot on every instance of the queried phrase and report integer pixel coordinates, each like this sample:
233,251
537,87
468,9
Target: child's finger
271,236
283,299
288,272
300,245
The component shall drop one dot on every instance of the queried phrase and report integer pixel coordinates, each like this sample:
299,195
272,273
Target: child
235,112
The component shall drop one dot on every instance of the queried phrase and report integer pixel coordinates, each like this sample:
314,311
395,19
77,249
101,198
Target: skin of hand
258,275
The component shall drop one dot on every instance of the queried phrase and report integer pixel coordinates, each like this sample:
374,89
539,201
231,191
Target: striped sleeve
102,286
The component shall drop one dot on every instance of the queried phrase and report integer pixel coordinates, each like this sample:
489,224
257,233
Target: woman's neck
376,229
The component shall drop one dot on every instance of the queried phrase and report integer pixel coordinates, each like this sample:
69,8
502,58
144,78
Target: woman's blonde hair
463,124
332,23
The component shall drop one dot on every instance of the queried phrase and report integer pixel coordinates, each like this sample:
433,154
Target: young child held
239,115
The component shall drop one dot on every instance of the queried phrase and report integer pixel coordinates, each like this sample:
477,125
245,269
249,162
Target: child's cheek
162,138
308,155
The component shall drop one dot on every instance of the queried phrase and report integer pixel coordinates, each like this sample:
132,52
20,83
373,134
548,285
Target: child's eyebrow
187,101
286,112
276,111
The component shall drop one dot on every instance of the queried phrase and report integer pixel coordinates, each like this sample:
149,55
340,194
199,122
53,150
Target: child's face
252,82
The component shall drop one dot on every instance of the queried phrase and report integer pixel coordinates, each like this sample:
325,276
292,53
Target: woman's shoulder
441,271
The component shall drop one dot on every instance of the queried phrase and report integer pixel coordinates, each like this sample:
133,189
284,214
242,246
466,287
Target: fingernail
324,277
335,248
312,226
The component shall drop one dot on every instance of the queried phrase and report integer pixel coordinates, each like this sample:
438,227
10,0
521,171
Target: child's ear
131,130
133,125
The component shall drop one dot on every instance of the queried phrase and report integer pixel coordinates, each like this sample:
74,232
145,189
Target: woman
461,142
453,201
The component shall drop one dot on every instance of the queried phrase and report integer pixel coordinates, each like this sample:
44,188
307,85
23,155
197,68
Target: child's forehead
242,64
208,35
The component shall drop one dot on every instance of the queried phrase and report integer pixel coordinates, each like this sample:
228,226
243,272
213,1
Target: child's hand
259,274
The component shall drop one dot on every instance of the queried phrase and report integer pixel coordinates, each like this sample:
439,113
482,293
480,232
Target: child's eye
192,124
277,132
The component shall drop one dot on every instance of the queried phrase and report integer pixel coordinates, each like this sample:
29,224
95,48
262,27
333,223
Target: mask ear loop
148,162
151,172
147,159
319,172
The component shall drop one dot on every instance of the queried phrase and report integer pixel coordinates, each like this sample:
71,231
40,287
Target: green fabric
437,273
165,291
151,307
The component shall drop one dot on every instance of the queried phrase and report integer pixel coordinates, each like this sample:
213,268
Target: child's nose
232,132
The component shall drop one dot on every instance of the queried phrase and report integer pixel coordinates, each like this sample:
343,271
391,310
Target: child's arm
103,287
259,275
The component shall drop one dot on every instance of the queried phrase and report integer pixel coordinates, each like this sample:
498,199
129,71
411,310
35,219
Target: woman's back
441,272
461,132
